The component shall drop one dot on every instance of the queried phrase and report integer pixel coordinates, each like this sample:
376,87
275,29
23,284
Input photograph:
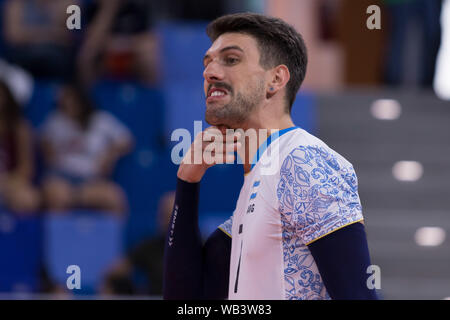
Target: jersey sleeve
317,193
226,226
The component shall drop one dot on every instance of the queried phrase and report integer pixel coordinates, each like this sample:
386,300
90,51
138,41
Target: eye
231,60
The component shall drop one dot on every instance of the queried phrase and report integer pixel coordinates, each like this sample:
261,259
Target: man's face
234,80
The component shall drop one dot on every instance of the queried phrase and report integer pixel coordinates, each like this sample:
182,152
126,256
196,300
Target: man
297,231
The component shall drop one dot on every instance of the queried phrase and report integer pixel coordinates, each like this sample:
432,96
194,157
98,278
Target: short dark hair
278,42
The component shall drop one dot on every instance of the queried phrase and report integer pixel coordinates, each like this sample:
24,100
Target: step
390,152
405,288
353,104
367,132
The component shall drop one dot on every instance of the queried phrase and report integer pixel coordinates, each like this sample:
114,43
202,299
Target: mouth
216,94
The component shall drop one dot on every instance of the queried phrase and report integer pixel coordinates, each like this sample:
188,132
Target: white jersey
312,192
78,151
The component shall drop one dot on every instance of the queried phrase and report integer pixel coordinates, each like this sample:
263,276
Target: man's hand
210,147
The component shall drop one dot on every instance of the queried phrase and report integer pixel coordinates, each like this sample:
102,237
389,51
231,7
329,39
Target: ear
279,77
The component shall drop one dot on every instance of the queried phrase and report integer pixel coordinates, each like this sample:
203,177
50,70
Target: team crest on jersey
251,206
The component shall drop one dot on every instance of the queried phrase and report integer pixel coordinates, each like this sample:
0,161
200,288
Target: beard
237,111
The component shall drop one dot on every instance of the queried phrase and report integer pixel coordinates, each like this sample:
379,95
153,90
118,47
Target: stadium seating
140,108
20,249
90,240
182,49
42,102
147,172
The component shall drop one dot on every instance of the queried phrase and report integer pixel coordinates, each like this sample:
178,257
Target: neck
264,122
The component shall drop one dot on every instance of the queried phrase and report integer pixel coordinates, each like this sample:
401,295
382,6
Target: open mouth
215,94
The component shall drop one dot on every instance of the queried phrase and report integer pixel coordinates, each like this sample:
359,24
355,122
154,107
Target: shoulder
317,190
310,169
302,148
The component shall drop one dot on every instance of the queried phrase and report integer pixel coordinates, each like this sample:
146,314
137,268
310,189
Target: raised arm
193,270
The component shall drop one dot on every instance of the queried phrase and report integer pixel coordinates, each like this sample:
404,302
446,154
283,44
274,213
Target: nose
213,72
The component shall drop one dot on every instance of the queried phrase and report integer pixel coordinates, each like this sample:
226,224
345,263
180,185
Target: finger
227,147
212,134
219,158
224,157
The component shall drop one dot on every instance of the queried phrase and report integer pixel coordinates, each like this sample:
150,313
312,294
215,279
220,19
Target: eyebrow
223,50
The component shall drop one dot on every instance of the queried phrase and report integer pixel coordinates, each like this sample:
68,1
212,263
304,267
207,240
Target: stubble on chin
227,115
235,113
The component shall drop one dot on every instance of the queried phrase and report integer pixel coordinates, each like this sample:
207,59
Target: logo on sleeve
251,206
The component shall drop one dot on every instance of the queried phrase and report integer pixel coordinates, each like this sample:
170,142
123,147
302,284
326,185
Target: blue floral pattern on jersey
317,193
226,226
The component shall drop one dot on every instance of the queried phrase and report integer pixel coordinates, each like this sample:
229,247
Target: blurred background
86,118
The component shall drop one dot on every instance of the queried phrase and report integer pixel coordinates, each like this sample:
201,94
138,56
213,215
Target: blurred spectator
81,147
18,80
325,54
37,37
16,157
146,257
119,43
364,49
411,18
